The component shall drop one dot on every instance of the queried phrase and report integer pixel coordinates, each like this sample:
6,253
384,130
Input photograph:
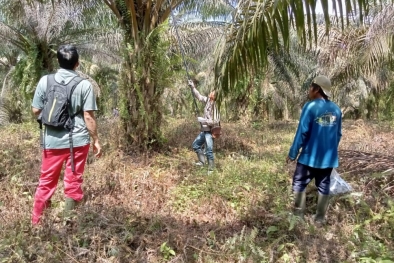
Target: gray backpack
57,103
57,111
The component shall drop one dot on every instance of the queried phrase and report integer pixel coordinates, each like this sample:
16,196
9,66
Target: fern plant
245,247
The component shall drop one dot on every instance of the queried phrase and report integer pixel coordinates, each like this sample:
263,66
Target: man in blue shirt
318,134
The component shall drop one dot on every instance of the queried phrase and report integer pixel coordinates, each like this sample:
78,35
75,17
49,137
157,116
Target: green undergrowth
164,209
234,182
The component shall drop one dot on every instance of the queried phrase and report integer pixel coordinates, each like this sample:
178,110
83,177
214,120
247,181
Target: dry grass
163,209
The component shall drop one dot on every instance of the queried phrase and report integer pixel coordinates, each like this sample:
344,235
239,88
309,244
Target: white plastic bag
338,185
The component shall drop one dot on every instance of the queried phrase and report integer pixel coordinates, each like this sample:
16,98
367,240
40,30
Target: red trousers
52,163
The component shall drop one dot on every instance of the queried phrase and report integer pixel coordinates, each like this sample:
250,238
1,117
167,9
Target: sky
319,9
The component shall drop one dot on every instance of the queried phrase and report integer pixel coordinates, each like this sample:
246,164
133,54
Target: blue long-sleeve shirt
318,134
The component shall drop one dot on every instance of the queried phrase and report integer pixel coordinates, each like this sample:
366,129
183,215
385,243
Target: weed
167,251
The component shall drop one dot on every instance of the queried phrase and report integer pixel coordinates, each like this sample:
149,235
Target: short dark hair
67,56
321,92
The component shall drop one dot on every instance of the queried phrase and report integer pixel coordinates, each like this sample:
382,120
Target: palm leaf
258,22
360,51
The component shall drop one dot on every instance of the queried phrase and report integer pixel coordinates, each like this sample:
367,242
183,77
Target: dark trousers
304,174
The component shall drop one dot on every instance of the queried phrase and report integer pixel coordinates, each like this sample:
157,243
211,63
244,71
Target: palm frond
258,22
10,112
6,83
197,38
208,9
39,27
360,51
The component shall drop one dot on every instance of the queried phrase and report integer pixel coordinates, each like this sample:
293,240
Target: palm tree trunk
141,109
286,110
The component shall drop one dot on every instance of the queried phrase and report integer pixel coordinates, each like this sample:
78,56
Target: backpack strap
50,81
73,84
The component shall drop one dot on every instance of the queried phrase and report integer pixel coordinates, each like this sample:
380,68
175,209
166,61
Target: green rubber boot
69,207
201,158
299,204
69,204
211,166
322,205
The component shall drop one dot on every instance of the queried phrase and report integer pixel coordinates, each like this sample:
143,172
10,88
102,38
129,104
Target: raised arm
196,93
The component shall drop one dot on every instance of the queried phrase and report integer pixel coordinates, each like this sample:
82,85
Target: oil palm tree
263,24
362,50
9,109
34,29
278,90
144,54
146,67
359,60
194,40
